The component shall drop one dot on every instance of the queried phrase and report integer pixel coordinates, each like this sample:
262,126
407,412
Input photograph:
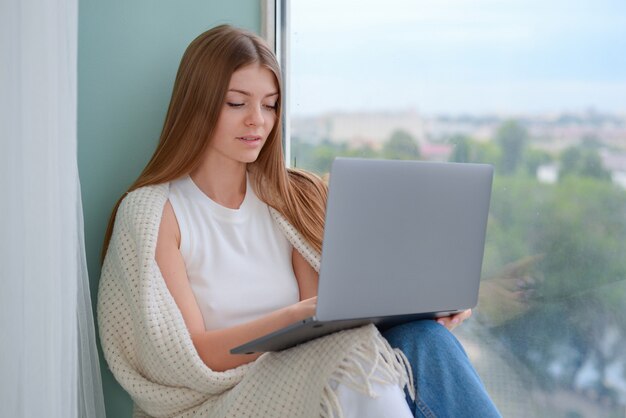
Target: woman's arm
305,274
214,346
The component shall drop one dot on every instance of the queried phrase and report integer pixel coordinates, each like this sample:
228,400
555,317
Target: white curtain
48,359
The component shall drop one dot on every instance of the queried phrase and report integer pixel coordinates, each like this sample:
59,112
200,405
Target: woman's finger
455,320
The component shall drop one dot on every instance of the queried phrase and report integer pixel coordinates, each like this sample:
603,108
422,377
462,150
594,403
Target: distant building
615,162
358,127
548,173
552,133
442,128
619,178
435,152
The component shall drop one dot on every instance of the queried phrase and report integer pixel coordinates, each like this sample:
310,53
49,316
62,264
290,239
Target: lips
249,138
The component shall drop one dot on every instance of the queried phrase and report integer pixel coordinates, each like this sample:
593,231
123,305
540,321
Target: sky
457,56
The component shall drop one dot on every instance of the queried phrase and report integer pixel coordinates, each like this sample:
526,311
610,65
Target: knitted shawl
149,349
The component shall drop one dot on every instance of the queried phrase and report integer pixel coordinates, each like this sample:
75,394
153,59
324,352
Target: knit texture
149,350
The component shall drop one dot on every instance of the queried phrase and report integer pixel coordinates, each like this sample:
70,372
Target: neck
223,181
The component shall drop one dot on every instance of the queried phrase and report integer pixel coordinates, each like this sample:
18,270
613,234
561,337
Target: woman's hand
304,309
455,320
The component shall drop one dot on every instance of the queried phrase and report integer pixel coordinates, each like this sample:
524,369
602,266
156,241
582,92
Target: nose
255,116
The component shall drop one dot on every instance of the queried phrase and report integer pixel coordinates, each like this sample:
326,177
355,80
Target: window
535,88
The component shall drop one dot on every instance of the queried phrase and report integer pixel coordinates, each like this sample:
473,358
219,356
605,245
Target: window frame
275,29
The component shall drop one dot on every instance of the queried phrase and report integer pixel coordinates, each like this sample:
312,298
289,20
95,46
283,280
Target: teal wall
128,53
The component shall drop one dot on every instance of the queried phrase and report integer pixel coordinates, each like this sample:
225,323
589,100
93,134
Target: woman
214,245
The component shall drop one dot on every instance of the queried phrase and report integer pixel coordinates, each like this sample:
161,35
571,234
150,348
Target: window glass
539,90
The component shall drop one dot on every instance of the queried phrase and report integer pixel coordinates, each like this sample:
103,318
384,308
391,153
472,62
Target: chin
249,158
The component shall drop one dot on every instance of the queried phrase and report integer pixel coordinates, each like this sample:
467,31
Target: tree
322,157
401,146
570,161
462,149
584,162
364,151
301,152
591,166
533,158
573,291
591,142
512,138
486,152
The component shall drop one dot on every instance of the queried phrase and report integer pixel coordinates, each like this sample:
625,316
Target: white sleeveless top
239,265
237,260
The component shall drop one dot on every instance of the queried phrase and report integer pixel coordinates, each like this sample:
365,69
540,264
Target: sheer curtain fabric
48,360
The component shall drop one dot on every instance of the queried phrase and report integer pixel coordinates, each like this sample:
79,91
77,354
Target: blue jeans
446,384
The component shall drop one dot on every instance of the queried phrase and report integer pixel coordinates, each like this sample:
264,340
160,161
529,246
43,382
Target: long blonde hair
197,99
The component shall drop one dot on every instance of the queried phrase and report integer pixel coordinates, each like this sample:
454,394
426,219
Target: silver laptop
403,240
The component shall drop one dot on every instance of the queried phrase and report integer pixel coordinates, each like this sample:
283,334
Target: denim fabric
446,383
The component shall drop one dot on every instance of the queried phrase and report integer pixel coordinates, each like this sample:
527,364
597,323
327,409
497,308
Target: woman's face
248,115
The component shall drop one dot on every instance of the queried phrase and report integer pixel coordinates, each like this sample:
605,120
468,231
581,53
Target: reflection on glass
537,89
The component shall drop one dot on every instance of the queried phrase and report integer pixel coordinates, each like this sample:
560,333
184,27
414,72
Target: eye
271,107
231,104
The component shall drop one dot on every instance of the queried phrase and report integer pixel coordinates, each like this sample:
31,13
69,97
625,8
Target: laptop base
311,328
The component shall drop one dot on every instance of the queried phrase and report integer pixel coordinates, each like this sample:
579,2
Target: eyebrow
247,93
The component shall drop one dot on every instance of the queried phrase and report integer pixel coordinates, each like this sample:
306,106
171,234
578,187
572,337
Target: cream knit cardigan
149,350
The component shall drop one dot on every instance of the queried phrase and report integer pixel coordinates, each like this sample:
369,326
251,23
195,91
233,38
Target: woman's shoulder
143,205
146,195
